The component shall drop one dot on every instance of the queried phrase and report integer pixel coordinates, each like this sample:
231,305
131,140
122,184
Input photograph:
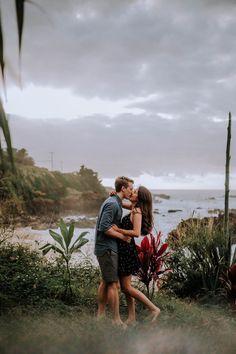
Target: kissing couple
116,251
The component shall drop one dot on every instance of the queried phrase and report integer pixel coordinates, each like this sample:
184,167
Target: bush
27,279
198,261
23,277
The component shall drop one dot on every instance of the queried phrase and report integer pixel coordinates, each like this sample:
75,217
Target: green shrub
26,278
23,278
198,261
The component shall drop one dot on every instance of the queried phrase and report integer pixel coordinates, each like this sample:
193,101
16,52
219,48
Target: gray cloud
181,52
130,144
121,49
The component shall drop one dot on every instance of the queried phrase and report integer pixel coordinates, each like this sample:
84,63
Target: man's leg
113,300
102,299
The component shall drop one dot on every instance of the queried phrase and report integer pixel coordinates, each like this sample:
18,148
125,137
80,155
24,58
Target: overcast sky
138,88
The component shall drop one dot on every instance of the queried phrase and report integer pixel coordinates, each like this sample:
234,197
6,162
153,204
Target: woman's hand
112,193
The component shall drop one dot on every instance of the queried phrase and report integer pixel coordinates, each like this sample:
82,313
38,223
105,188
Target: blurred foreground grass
181,328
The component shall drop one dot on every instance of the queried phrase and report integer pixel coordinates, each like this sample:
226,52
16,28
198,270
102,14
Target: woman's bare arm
137,223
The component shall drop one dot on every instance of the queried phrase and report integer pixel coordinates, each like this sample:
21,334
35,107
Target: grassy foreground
181,328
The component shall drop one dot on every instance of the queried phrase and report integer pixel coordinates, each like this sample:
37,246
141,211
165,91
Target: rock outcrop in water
216,221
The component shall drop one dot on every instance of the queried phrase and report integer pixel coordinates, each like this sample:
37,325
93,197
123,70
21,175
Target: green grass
181,328
36,318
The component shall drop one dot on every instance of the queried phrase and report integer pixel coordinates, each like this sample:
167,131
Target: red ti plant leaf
162,249
158,240
152,248
139,249
145,245
152,255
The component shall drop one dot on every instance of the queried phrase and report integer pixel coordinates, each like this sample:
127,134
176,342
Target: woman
138,222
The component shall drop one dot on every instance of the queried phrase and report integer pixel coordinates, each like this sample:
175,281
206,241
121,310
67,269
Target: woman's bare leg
128,289
131,309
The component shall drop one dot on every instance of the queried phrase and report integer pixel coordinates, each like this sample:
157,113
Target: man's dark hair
122,182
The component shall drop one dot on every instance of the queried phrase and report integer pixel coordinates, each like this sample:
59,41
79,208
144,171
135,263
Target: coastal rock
212,221
214,211
162,196
174,210
86,223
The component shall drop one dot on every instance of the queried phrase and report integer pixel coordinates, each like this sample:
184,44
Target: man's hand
126,238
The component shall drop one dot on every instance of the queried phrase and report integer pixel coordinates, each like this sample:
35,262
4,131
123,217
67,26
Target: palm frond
6,133
20,4
2,63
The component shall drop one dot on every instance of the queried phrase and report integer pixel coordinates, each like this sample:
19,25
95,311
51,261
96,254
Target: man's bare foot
101,317
119,323
155,314
130,322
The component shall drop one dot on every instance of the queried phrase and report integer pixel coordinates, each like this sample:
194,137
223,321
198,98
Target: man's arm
126,205
115,234
107,221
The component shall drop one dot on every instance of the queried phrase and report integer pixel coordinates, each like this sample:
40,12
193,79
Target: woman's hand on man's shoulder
136,210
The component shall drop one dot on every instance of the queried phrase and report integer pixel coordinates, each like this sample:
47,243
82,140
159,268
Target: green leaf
80,244
2,63
70,233
234,257
6,133
46,250
20,19
81,236
47,244
57,238
64,231
55,248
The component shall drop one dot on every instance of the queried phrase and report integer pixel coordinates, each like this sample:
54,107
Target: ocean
190,203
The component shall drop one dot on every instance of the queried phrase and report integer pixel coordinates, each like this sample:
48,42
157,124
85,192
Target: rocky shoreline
217,221
51,222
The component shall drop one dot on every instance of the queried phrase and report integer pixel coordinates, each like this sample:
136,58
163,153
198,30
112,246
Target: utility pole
61,166
227,175
52,154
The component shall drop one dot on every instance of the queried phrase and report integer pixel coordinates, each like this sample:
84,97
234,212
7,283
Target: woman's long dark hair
144,202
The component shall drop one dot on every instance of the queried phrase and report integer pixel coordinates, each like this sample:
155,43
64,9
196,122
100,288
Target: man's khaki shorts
108,263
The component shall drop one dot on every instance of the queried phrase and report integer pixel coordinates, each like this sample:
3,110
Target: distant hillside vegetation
38,191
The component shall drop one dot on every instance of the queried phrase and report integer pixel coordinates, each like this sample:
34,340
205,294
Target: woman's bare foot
155,314
130,322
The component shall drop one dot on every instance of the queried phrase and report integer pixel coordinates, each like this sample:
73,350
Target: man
106,248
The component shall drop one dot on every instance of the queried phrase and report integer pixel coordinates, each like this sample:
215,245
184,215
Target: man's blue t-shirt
110,214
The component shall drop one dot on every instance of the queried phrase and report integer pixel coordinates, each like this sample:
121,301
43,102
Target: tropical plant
4,126
152,255
198,260
229,282
65,248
